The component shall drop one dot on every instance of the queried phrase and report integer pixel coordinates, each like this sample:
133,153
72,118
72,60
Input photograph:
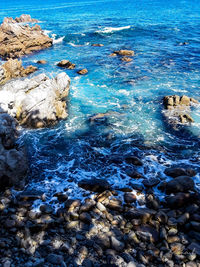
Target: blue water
131,92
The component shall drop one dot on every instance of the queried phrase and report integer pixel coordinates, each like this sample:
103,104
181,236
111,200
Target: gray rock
36,102
94,185
116,244
55,259
180,184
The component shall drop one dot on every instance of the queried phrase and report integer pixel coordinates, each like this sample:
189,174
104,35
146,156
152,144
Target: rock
13,160
129,198
55,259
175,172
143,214
180,184
125,52
31,195
134,174
26,39
12,69
97,45
85,217
94,185
178,109
126,59
25,18
147,234
133,160
116,244
150,182
177,248
41,61
115,204
82,72
113,55
177,201
66,64
194,247
36,102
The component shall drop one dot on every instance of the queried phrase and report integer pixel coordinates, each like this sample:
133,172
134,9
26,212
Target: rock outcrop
22,19
13,163
12,69
17,40
66,64
36,102
177,109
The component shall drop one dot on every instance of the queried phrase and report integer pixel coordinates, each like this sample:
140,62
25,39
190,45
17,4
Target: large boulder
180,184
177,109
12,69
36,102
94,185
13,163
17,39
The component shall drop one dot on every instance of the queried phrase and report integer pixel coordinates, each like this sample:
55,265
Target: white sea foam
46,32
113,29
57,41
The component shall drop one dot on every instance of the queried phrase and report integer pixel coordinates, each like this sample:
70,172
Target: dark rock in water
55,259
97,45
150,182
178,108
195,247
177,201
66,64
94,185
180,184
134,160
129,198
41,61
175,172
31,195
85,217
124,52
134,174
102,118
82,72
138,187
115,204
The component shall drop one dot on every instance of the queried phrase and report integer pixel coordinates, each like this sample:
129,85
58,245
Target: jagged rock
178,108
125,52
82,72
17,40
12,69
13,162
66,64
36,102
25,18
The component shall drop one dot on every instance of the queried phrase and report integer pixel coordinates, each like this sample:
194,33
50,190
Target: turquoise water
132,92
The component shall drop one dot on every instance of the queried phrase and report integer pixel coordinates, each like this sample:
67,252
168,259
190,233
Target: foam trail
59,40
112,29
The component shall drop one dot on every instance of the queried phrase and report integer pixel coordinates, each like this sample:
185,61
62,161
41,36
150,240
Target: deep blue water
132,92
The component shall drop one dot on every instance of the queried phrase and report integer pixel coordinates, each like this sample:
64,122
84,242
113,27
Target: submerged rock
178,109
126,59
41,61
17,40
124,52
12,69
97,45
36,102
66,64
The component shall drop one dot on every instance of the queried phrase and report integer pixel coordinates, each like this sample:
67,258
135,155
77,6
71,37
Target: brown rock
41,61
66,64
125,52
17,40
13,68
126,59
185,100
129,198
26,18
97,45
82,72
113,55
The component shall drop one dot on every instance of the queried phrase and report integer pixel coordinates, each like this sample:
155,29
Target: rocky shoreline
104,230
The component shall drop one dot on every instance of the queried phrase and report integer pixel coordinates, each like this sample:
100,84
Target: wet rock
195,247
116,244
66,64
55,259
126,59
82,72
12,69
177,248
124,52
115,204
129,198
36,102
150,182
180,184
143,214
71,204
175,172
177,201
147,233
97,45
42,61
134,174
31,195
94,185
133,160
85,217
26,39
25,18
113,55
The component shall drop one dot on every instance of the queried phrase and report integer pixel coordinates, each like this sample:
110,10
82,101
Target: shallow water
132,92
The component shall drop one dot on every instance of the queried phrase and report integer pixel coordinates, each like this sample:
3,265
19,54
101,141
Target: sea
165,36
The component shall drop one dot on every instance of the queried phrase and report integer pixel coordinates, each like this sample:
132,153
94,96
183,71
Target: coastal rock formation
66,64
12,69
36,102
17,40
22,19
177,109
13,163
